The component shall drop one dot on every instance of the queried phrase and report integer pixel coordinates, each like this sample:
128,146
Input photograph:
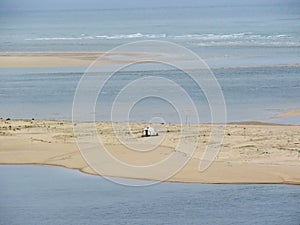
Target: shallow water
262,38
249,93
52,195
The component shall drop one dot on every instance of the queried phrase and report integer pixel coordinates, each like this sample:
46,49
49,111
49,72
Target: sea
253,52
53,195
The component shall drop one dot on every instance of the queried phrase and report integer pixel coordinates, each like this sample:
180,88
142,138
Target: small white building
149,131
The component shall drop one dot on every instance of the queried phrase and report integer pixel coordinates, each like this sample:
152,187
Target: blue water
49,195
253,50
236,31
223,35
250,94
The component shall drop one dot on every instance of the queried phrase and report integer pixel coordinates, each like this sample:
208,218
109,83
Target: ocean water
51,195
249,93
224,36
252,50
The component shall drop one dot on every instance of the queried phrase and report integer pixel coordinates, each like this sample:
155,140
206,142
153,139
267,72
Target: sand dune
251,153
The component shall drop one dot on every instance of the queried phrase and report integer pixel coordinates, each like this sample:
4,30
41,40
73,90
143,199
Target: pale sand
251,153
295,112
63,59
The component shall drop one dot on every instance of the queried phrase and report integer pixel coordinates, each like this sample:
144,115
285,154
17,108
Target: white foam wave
129,36
108,37
235,36
235,39
249,43
59,38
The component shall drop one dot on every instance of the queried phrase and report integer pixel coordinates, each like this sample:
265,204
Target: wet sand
64,59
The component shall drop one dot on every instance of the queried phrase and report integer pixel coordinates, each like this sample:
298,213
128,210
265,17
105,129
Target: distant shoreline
63,59
10,60
246,122
252,153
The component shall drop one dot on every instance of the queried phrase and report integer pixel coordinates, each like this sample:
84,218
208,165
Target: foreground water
50,195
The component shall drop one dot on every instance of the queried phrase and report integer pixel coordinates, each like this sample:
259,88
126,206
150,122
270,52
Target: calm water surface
249,93
253,51
50,195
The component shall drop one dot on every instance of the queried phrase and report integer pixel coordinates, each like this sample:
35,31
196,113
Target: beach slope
251,152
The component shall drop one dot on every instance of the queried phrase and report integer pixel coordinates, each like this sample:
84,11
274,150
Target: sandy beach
63,59
251,152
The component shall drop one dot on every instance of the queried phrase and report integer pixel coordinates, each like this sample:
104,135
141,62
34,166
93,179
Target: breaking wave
108,37
235,39
249,43
236,36
129,36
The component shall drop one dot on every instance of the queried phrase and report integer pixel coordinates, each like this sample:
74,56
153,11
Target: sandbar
252,153
65,59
